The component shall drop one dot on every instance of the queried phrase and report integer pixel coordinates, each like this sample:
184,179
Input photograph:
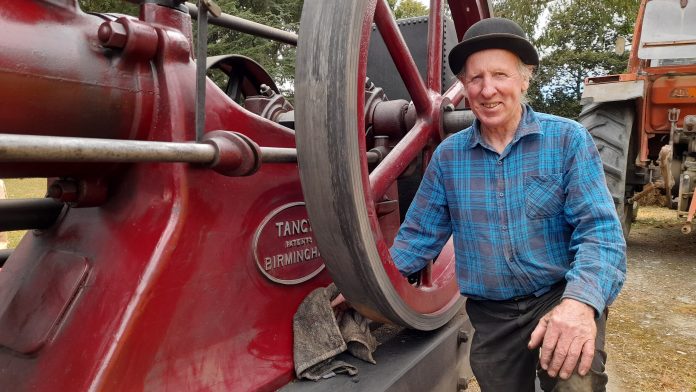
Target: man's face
494,86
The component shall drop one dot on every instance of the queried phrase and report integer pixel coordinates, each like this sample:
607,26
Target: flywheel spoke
435,46
393,165
402,57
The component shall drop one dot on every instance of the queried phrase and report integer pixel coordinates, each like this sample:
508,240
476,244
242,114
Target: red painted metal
434,80
438,289
402,57
384,175
158,288
428,102
467,12
166,284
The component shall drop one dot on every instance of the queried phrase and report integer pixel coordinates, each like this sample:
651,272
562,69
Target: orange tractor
644,121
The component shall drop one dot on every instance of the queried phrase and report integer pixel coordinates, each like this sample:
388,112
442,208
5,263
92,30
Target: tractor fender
615,91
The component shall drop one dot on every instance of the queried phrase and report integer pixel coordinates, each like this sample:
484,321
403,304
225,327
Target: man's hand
568,333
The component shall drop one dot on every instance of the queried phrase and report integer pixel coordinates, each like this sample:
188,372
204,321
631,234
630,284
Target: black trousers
500,358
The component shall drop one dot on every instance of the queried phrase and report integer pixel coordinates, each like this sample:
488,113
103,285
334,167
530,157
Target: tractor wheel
352,203
611,125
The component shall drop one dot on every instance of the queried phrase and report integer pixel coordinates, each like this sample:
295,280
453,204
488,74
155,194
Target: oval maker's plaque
284,246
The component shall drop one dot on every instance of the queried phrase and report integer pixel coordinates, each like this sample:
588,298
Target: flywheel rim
329,87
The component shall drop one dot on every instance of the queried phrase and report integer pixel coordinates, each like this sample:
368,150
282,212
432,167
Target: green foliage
409,9
111,6
526,13
575,39
277,58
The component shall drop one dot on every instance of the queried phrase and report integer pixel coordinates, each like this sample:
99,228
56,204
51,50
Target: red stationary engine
174,245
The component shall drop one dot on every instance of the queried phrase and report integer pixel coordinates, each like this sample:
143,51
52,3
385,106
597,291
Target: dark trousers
500,358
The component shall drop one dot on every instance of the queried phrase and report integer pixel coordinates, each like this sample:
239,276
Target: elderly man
539,247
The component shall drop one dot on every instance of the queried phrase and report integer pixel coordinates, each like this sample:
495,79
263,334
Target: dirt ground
651,334
651,331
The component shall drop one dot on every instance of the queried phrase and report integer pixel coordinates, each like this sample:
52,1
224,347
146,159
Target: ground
651,332
651,335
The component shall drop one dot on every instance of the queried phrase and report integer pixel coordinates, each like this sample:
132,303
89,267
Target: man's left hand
567,333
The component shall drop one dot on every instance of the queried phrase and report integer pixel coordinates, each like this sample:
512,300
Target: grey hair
527,73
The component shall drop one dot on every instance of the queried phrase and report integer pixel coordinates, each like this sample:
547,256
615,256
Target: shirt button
504,227
500,162
501,194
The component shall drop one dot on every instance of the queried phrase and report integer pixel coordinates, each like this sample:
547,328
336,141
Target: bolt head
112,35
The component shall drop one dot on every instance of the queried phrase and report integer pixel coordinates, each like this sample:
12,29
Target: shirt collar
529,124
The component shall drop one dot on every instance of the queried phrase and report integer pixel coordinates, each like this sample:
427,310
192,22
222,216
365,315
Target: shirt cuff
585,296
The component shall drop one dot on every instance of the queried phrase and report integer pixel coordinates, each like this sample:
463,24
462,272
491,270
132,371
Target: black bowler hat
493,33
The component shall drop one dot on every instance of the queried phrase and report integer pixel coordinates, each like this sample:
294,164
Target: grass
23,189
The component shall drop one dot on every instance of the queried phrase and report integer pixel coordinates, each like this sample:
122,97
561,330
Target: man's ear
461,80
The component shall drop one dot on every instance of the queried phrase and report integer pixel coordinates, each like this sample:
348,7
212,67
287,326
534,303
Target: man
539,247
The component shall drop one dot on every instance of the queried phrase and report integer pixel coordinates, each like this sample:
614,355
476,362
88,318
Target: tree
277,58
115,6
407,8
527,13
579,39
575,39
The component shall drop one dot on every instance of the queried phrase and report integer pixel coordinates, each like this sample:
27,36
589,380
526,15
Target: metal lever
201,57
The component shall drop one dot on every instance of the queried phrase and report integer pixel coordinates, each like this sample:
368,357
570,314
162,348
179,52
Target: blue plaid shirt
521,221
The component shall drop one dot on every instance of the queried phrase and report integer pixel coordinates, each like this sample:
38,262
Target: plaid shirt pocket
543,195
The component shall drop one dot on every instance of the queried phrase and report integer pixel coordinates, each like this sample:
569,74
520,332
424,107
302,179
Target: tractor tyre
611,125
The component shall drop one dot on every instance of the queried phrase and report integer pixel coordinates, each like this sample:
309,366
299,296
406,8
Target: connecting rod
227,152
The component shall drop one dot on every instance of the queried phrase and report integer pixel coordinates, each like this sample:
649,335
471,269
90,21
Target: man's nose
488,87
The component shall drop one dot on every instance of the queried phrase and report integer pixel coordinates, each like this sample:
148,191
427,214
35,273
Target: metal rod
27,214
32,148
457,120
289,155
247,26
201,58
4,255
278,155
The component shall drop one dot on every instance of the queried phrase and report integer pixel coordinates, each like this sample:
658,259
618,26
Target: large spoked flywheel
351,202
